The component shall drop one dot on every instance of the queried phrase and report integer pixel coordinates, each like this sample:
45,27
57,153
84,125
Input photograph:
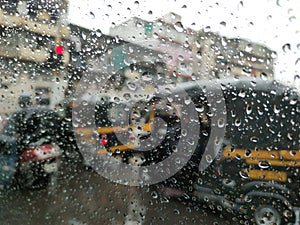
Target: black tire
267,214
31,180
33,184
271,212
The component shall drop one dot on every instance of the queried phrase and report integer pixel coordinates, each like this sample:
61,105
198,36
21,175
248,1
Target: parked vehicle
38,165
34,137
256,170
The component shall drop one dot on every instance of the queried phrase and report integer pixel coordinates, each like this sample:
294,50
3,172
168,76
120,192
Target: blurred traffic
187,121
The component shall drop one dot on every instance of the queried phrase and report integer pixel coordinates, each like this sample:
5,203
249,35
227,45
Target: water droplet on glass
131,86
274,55
187,100
242,94
178,26
176,211
293,153
287,213
177,162
249,109
170,99
249,48
254,139
278,3
286,47
154,194
199,55
155,35
116,99
244,174
98,33
292,18
221,123
248,153
264,76
253,83
264,164
237,122
180,58
220,209
276,110
238,157
191,141
208,158
293,101
200,108
223,23
248,198
92,15
127,109
207,29
183,132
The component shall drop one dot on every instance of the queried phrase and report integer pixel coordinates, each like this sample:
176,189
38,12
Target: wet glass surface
142,113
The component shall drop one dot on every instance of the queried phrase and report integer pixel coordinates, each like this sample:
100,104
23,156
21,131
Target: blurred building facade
42,54
105,58
30,32
197,54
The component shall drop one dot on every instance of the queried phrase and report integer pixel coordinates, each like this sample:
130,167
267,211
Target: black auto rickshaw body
256,170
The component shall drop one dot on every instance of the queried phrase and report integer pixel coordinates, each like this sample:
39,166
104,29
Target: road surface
84,197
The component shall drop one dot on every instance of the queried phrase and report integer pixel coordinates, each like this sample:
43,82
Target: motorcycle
38,165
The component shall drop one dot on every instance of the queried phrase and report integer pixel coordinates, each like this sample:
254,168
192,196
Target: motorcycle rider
30,124
41,128
15,121
40,122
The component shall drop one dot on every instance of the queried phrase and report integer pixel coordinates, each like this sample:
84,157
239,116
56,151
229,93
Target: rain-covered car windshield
134,112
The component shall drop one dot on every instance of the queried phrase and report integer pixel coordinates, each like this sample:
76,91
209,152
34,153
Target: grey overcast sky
273,23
